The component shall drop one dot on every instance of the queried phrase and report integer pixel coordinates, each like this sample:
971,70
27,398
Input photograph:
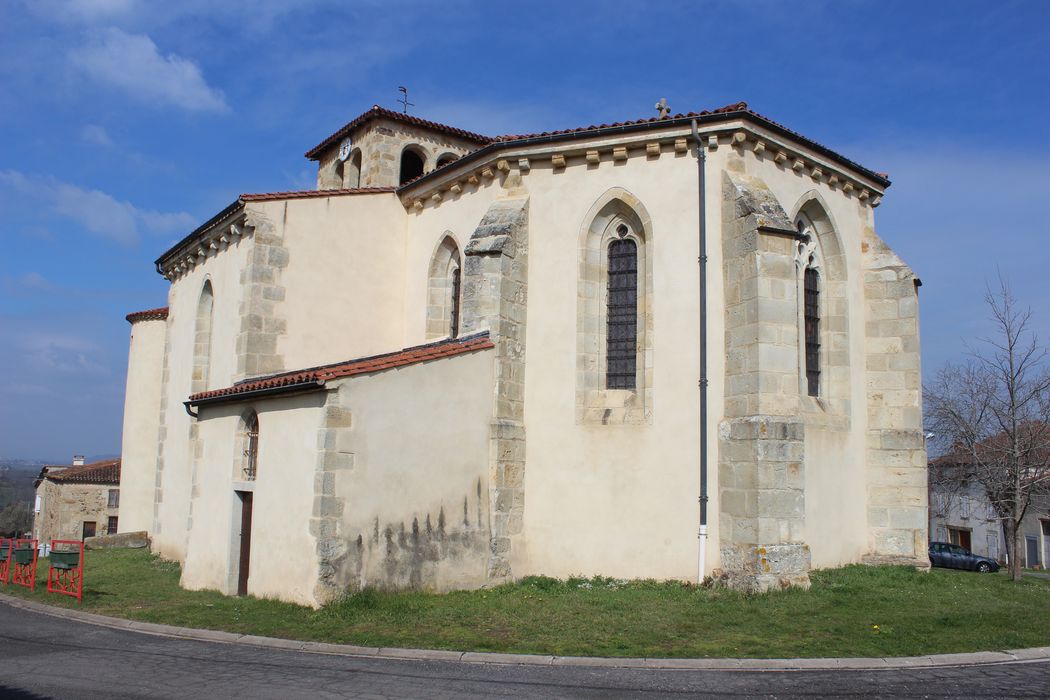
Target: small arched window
622,317
251,449
352,178
447,158
808,261
411,165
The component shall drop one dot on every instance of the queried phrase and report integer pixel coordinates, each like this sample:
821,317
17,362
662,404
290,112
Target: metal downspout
701,163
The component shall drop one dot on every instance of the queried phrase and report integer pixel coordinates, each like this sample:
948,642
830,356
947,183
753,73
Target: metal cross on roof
404,99
662,107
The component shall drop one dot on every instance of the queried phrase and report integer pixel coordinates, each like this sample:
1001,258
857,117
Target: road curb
980,658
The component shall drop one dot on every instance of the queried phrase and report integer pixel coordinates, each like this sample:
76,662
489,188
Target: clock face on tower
344,148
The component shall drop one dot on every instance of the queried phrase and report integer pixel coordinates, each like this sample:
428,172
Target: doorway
959,536
245,542
1031,552
1046,541
88,531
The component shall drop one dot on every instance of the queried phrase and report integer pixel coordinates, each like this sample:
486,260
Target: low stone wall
123,540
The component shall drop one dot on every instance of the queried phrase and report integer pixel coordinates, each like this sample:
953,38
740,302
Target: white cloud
93,133
98,212
133,63
28,282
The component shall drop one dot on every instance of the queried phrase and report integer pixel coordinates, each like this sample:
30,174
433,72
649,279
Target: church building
670,348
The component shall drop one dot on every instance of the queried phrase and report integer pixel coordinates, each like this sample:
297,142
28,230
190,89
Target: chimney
78,460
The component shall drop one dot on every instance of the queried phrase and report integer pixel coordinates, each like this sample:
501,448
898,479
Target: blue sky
124,123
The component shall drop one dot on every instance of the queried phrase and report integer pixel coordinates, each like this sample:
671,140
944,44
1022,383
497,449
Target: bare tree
991,417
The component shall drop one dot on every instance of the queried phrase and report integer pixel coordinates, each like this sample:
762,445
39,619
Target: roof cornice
738,128
232,223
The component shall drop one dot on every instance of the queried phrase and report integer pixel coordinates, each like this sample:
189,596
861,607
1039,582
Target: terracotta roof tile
735,107
378,112
307,194
148,315
304,378
104,472
726,112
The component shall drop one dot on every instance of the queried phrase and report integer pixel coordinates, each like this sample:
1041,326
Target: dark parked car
952,556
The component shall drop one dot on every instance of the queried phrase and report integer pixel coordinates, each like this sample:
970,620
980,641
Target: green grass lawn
854,611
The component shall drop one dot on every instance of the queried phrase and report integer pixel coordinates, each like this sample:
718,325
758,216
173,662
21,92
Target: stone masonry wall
494,299
896,449
381,143
66,507
261,321
761,470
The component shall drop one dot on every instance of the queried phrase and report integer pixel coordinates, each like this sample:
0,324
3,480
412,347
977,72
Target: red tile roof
148,315
735,107
378,112
306,194
317,376
104,472
730,111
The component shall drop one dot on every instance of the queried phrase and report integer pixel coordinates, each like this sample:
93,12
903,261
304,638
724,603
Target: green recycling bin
4,551
24,555
65,560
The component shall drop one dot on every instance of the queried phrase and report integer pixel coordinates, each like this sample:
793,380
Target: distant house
961,513
77,501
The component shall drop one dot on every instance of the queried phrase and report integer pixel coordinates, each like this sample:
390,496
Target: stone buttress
761,467
896,448
494,299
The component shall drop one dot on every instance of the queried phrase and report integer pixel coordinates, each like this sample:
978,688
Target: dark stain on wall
412,554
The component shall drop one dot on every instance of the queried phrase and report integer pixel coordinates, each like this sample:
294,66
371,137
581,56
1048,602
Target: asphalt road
42,656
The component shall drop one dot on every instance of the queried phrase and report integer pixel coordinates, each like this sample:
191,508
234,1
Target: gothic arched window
443,290
614,323
621,369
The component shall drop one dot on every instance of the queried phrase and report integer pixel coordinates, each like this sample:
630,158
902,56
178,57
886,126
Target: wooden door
246,541
89,530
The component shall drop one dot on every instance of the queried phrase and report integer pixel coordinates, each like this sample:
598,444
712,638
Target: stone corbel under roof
213,235
744,131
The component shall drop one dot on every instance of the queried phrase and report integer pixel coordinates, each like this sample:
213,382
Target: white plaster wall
621,499
618,500
344,277
420,439
223,269
141,422
283,553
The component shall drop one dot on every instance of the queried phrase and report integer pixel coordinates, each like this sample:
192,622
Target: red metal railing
6,547
24,561
65,572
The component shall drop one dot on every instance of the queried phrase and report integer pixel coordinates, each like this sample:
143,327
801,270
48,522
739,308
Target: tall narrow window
251,452
444,312
622,324
453,330
811,314
202,339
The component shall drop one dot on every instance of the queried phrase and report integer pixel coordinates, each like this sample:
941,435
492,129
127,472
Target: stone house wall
66,507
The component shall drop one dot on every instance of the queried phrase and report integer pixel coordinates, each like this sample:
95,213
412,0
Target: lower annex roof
315,377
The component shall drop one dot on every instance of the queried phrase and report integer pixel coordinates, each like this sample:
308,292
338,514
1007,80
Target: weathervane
404,99
662,107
